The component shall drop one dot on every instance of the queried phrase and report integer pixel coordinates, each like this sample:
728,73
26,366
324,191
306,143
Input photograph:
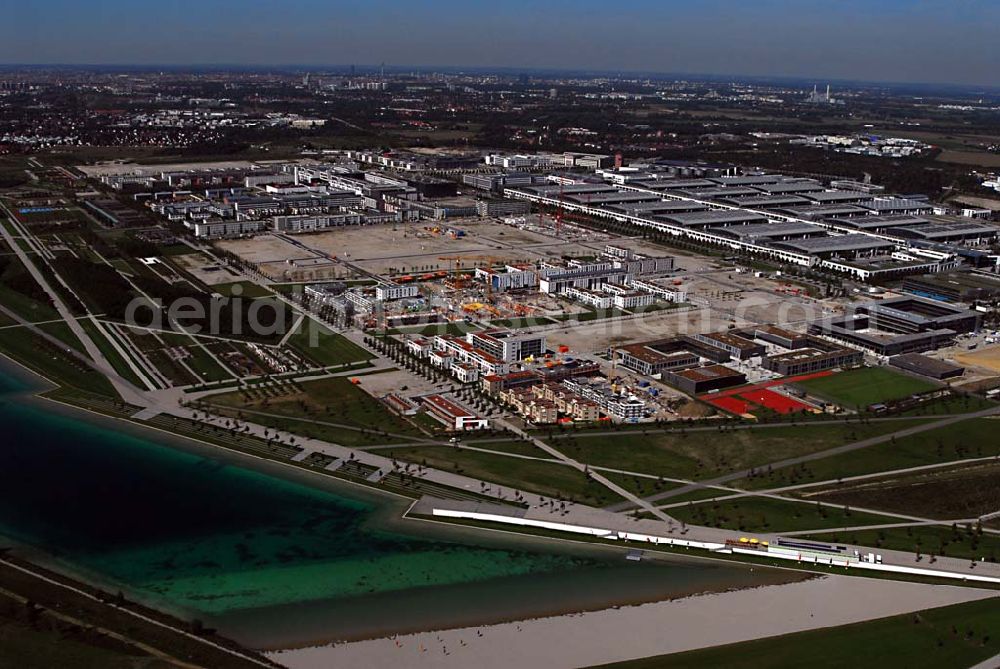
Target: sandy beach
632,632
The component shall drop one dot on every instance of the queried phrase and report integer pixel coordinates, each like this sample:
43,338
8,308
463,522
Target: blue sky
952,41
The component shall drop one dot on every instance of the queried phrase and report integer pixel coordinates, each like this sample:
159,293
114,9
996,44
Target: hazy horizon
897,41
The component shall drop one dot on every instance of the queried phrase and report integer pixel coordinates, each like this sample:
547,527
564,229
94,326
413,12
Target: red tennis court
766,384
774,401
732,404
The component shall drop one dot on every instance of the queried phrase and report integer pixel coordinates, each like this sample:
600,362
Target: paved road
883,526
124,388
838,450
584,434
633,499
992,663
737,492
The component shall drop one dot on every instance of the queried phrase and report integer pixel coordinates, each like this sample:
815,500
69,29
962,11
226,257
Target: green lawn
455,328
950,637
640,485
27,308
352,438
954,404
247,288
527,322
63,333
51,361
864,386
544,478
967,439
112,356
590,314
205,365
960,542
513,446
333,400
40,647
761,514
707,453
966,491
325,348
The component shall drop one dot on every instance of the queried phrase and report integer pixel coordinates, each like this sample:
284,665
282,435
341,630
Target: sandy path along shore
640,631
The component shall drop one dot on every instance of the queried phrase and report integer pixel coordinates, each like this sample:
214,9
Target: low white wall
772,552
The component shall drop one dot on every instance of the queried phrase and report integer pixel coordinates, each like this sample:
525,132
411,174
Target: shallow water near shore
277,561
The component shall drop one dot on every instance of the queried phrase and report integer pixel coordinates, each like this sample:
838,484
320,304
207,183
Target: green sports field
864,386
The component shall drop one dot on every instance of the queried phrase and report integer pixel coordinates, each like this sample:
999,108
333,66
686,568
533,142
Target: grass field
864,386
61,331
521,323
112,356
701,454
246,289
544,478
968,439
50,361
205,365
968,491
642,486
954,404
333,400
504,446
949,637
962,541
30,310
761,514
64,628
455,328
328,348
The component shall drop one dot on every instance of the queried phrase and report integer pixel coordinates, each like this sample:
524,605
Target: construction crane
492,260
560,212
460,260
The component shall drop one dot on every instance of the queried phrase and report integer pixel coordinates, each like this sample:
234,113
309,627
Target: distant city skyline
904,41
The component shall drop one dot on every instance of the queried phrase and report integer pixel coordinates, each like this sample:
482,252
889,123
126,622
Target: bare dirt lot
209,273
414,247
597,336
962,492
263,249
988,358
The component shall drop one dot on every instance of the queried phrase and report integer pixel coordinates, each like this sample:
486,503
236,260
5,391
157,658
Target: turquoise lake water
268,560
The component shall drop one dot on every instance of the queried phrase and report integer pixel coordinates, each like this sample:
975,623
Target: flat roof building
711,219
954,286
898,205
849,245
926,366
660,207
816,356
764,201
705,379
453,415
760,232
739,347
805,186
899,325
840,197
958,231
915,314
820,211
873,223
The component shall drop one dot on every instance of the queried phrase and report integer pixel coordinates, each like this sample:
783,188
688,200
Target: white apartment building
593,298
508,345
225,228
386,292
633,300
509,278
